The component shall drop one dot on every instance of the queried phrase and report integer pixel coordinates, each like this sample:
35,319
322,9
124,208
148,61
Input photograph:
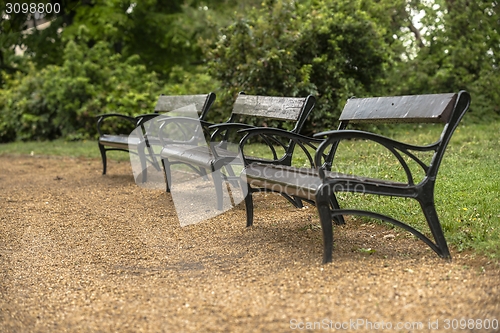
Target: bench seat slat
415,108
119,141
170,103
198,155
284,108
301,182
125,141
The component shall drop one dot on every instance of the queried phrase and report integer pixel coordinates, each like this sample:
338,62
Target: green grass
467,190
85,148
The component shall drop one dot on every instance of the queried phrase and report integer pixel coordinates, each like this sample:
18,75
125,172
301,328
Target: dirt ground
82,252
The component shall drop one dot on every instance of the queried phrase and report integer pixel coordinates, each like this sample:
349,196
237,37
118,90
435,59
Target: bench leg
429,210
248,204
166,170
141,149
325,216
217,178
103,156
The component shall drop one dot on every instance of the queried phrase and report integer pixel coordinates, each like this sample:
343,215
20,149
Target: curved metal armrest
227,127
101,117
223,130
230,125
206,124
164,119
335,136
141,119
271,136
277,131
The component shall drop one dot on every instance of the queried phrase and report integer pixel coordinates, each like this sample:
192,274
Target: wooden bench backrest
418,108
167,103
295,109
444,108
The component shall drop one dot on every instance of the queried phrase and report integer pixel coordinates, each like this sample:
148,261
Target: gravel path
82,252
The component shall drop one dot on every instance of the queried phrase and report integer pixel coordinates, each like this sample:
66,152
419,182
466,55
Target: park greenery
100,56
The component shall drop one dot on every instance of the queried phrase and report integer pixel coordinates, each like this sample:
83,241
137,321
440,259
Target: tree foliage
331,49
459,48
64,100
21,29
162,33
117,55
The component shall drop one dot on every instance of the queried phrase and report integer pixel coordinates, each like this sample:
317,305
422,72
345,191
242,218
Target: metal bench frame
122,142
216,156
318,184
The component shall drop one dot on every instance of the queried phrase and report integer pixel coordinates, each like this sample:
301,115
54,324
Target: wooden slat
284,108
170,103
415,108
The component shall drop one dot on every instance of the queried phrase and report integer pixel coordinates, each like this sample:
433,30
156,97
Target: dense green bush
331,49
64,100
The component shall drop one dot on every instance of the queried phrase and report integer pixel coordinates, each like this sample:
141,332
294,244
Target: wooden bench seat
201,156
304,182
118,141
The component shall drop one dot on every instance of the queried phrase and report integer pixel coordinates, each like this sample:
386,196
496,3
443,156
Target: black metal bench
319,184
293,110
143,143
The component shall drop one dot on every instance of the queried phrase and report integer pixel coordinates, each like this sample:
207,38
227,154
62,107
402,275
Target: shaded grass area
467,191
